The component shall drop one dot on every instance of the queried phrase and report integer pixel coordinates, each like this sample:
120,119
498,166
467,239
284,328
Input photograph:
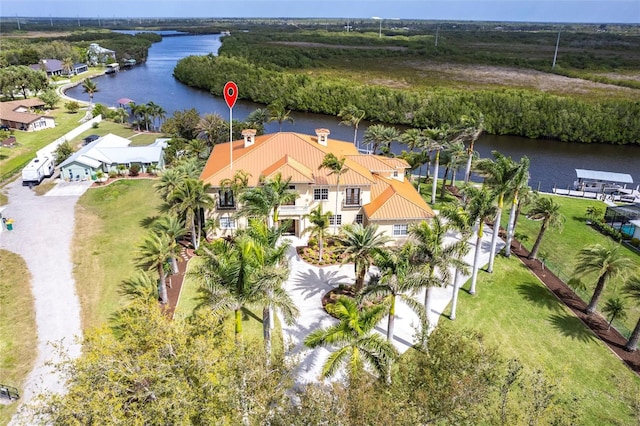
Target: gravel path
42,235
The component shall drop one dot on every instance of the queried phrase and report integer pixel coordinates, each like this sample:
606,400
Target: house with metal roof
21,115
107,153
373,190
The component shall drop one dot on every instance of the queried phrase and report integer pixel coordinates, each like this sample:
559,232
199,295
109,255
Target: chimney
323,136
249,136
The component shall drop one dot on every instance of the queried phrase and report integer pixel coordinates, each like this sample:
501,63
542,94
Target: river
552,162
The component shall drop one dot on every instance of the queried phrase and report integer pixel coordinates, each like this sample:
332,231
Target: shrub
113,174
608,230
635,242
134,170
72,107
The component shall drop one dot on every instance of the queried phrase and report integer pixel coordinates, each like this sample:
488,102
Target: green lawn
523,320
108,229
18,337
560,248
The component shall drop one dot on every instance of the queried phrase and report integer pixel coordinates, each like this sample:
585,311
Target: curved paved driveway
42,235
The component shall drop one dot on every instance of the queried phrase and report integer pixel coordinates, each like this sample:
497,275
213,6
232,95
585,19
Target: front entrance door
291,226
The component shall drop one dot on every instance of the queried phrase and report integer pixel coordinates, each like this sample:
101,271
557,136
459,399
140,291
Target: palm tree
632,290
481,206
614,308
319,225
453,154
519,184
139,112
188,199
280,114
351,116
606,262
264,201
548,211
172,227
472,129
460,220
225,278
257,119
141,287
375,136
169,181
358,244
499,176
90,87
153,253
433,255
120,115
67,66
336,167
198,148
156,112
434,141
395,281
357,343
213,127
414,138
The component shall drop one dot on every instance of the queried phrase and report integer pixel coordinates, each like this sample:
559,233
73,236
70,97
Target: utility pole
555,55
437,33
50,21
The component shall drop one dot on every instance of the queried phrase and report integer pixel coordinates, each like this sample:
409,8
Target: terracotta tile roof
378,163
269,149
287,166
394,199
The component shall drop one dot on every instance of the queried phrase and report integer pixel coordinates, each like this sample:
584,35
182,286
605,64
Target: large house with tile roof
373,190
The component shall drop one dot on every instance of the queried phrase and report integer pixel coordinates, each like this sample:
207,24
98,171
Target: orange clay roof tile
394,199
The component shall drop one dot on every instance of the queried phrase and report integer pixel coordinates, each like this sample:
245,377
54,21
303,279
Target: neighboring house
50,66
107,153
19,115
97,55
79,68
626,218
373,190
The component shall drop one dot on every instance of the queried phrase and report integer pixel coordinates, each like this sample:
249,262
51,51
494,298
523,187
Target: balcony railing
289,210
349,203
225,206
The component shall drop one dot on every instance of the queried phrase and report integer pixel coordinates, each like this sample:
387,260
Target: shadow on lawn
539,295
571,326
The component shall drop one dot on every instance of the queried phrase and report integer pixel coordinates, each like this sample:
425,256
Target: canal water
552,162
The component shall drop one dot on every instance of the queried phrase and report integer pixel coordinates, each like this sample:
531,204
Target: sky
585,11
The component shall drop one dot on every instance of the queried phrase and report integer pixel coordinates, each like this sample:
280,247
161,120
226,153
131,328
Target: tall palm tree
351,116
139,112
280,114
453,154
153,253
358,244
389,135
548,211
198,148
265,200
67,66
172,227
460,220
213,127
414,138
499,175
141,287
434,256
434,140
188,199
357,343
471,131
395,282
632,290
225,277
319,225
336,167
156,112
481,206
89,87
375,136
168,182
606,262
518,185
120,115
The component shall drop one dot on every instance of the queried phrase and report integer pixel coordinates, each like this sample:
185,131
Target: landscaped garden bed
330,253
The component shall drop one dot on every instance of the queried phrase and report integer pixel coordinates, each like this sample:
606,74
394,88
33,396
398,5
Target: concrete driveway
307,284
42,235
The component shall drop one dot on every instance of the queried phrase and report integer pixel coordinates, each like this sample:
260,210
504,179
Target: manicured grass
189,293
108,230
559,249
523,320
18,336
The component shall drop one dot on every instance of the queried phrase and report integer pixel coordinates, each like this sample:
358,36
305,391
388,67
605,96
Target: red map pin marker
230,93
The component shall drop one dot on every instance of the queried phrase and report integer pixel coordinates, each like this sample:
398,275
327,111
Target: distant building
107,153
97,55
19,115
55,67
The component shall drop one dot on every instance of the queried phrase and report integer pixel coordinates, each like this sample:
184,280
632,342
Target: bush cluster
608,230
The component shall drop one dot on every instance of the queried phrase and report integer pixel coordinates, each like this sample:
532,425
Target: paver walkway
307,284
42,235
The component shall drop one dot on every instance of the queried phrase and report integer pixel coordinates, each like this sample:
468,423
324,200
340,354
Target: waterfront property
20,115
626,218
372,190
98,55
107,154
55,67
601,185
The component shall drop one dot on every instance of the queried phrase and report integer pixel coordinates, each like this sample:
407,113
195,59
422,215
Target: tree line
507,111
